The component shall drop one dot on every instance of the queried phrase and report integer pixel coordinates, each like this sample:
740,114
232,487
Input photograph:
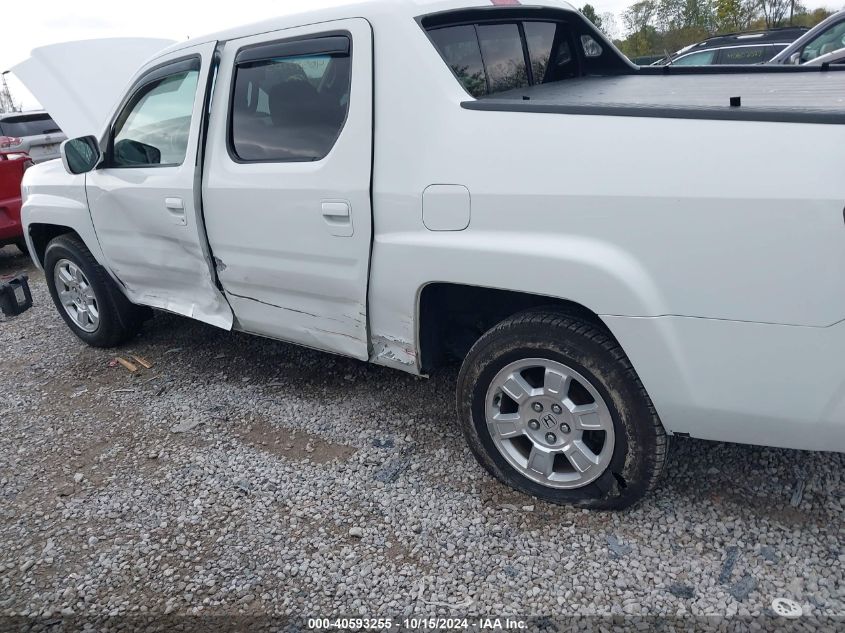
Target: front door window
154,127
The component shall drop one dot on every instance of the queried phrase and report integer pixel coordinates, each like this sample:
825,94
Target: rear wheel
552,407
21,244
86,297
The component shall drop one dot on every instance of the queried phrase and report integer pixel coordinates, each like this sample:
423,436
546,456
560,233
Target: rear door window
743,55
28,125
290,108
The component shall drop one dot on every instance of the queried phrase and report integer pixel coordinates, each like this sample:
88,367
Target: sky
32,23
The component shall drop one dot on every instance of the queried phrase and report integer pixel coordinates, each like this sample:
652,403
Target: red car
12,167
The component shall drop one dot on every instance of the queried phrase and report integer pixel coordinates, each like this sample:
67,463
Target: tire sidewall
606,374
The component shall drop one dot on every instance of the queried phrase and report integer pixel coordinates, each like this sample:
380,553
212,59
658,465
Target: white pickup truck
614,254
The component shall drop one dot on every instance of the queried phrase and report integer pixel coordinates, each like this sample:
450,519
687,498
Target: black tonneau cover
796,97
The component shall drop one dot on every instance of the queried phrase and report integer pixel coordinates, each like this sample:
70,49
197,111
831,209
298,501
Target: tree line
656,27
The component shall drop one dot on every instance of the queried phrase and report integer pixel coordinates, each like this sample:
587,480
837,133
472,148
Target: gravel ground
244,476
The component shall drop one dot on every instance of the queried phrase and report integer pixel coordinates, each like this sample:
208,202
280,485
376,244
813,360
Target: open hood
79,83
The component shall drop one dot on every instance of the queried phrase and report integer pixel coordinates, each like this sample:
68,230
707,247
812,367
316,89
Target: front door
287,183
144,198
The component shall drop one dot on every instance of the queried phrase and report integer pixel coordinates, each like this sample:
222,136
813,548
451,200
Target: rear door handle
338,217
176,207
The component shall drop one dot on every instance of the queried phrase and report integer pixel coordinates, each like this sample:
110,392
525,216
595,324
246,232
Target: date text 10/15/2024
417,624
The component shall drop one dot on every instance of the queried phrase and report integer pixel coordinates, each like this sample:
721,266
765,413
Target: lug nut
533,425
551,438
537,407
556,409
565,428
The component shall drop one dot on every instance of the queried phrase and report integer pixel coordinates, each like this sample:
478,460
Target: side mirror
80,155
795,59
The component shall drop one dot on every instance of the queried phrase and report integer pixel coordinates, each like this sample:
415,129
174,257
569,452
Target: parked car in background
755,47
647,60
33,133
12,168
824,43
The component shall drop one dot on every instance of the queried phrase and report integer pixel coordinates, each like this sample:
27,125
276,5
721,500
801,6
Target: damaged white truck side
614,254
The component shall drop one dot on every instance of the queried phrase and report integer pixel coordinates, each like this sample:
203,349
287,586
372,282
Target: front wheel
551,406
86,297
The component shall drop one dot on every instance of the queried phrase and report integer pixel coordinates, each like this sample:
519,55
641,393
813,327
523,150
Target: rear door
145,197
287,183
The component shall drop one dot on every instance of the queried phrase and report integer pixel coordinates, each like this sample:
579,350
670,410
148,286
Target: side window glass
704,58
540,37
774,49
154,127
826,42
743,55
591,47
458,45
492,58
504,59
289,109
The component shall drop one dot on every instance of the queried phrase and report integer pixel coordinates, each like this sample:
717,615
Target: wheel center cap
550,422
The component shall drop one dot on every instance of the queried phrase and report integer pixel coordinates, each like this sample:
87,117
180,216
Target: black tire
641,444
119,320
21,244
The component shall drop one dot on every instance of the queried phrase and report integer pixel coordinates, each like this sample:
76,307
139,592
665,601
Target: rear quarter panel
651,219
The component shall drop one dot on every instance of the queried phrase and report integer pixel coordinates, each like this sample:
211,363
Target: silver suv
32,132
824,43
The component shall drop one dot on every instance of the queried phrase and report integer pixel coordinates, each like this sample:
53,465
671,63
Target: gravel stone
617,549
731,556
682,591
286,456
769,553
743,588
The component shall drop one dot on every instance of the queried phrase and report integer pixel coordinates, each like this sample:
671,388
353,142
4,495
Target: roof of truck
400,9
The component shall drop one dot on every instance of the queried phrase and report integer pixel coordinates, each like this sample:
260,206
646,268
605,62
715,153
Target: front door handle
176,207
338,217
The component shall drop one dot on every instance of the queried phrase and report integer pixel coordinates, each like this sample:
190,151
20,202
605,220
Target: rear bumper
751,383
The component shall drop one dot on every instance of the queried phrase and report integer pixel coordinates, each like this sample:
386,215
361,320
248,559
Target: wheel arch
40,235
451,317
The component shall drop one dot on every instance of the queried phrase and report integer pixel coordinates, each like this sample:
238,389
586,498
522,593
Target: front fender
53,197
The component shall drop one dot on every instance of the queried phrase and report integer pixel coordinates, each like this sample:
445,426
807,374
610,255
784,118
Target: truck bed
812,96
